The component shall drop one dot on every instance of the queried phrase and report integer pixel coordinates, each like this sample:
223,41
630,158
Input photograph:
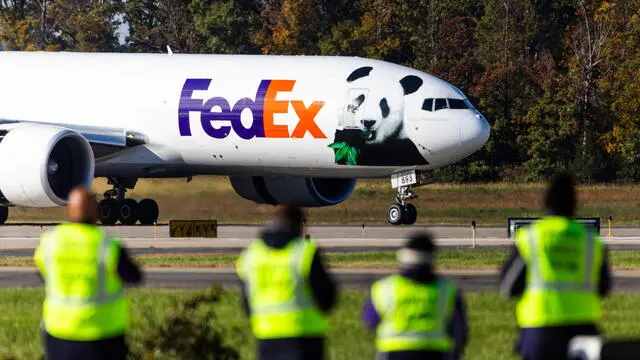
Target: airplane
286,129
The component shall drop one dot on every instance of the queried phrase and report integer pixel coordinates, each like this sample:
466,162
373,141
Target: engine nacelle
41,164
300,191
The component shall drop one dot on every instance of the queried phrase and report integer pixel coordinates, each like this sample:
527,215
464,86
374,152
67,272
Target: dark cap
421,242
561,196
290,216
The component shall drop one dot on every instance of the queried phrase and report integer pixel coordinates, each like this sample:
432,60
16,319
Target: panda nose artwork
368,123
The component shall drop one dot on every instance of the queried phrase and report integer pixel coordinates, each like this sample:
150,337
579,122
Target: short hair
421,242
291,215
560,198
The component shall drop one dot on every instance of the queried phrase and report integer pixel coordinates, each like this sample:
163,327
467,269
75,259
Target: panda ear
410,84
359,73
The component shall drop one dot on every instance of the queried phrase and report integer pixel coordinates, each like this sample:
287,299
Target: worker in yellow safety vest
558,270
416,313
85,313
286,290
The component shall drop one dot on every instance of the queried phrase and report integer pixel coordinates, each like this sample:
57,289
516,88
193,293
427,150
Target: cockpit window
440,104
427,104
457,104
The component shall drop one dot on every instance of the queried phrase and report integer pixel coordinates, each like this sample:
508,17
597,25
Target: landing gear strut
403,212
115,207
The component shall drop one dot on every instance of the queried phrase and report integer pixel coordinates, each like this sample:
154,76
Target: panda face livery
394,116
380,107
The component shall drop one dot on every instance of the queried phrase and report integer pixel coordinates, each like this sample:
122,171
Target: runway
232,238
26,231
360,279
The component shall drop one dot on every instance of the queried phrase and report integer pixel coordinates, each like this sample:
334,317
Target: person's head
561,196
82,207
419,250
291,218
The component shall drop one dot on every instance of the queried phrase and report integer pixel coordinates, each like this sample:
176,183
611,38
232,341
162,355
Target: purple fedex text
217,110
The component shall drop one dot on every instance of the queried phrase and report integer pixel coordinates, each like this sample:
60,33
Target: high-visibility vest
278,290
84,298
413,316
563,262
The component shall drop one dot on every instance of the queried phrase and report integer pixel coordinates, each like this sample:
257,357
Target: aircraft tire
108,211
128,212
148,211
409,214
395,214
4,214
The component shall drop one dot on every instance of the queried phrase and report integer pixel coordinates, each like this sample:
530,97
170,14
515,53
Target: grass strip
493,328
212,197
446,259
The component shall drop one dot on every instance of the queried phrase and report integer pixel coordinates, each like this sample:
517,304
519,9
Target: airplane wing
103,141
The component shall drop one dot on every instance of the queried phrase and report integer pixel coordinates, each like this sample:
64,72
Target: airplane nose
474,133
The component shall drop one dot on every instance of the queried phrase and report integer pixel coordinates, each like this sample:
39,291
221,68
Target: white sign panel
404,178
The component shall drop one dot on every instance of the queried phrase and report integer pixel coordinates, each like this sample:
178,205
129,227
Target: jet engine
300,191
41,164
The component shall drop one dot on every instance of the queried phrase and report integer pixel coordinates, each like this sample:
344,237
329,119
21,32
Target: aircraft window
427,104
457,104
441,104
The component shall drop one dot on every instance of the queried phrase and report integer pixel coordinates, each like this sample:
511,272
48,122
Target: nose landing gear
403,212
115,207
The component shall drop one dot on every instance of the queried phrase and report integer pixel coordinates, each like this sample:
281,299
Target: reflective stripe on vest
414,316
536,281
101,297
279,295
300,299
562,260
388,332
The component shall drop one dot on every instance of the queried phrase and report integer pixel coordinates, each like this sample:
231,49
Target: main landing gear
115,207
403,212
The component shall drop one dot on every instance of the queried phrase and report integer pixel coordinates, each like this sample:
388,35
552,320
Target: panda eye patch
384,106
360,99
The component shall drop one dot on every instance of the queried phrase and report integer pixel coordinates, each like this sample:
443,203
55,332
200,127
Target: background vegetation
559,80
457,204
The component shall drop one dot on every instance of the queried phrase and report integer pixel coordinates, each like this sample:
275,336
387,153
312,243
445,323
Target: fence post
473,233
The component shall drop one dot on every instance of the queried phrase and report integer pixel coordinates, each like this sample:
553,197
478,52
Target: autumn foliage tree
559,80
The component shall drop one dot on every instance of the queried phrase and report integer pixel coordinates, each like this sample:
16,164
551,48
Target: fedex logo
218,117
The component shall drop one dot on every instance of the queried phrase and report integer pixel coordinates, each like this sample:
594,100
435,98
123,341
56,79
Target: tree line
559,80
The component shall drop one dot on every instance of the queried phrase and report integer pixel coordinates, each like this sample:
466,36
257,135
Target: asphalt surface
21,240
194,278
232,238
22,231
198,278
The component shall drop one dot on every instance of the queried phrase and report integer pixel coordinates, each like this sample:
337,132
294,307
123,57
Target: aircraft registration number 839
404,178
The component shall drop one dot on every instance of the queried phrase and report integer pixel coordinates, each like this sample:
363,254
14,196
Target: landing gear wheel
148,211
128,212
4,214
108,211
394,214
409,214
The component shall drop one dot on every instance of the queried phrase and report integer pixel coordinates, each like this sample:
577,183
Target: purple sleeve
127,269
370,316
459,327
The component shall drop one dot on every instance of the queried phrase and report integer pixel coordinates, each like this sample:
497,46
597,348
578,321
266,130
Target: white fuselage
293,109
